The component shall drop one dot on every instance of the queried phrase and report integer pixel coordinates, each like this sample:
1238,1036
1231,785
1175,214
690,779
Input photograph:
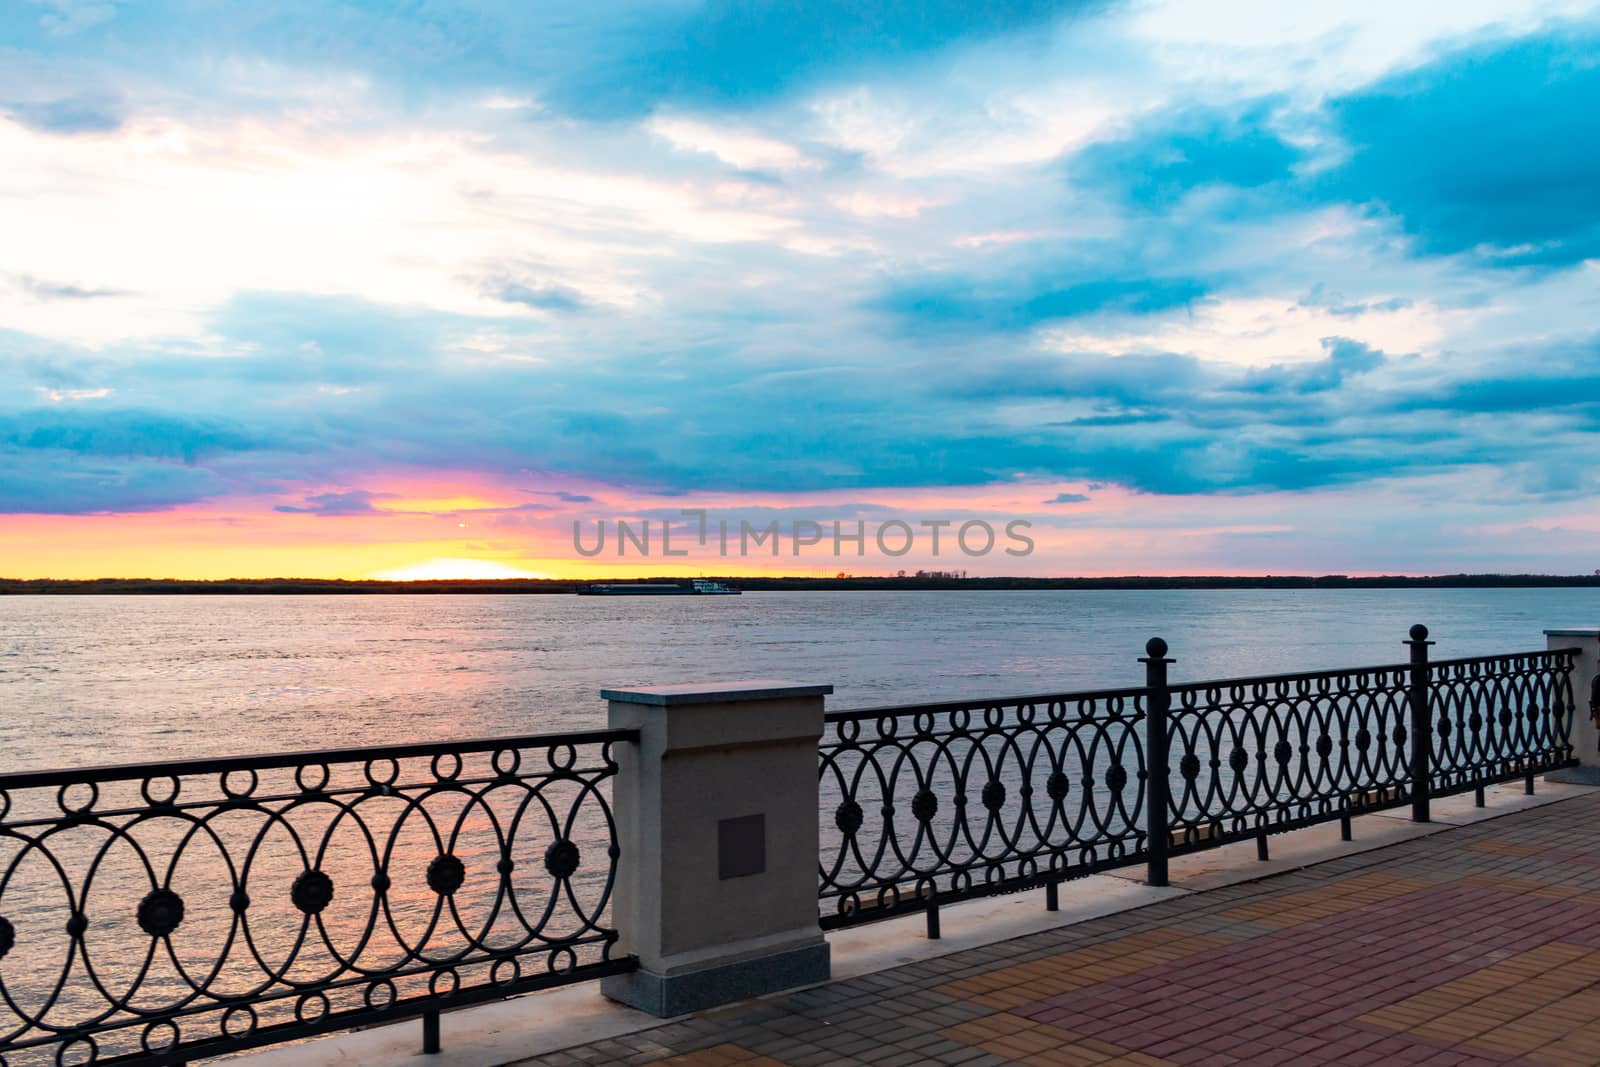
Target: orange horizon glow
422,526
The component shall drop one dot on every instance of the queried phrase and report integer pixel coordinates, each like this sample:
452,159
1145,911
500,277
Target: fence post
716,810
1421,725
1158,702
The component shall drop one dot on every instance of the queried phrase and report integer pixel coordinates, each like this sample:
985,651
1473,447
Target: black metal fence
166,912
927,804
934,802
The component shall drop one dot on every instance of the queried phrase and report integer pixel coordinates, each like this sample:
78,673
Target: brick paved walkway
1479,945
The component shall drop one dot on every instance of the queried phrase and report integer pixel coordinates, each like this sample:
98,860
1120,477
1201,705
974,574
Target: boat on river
695,587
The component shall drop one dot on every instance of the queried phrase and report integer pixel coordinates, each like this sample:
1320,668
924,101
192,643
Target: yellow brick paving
1540,1005
1010,987
1336,899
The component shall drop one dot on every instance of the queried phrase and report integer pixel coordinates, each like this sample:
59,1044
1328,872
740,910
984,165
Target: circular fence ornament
925,805
312,891
8,936
561,859
848,817
446,874
160,912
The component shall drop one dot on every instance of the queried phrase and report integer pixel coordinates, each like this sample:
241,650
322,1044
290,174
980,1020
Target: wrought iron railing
1490,722
926,804
170,911
1285,751
936,802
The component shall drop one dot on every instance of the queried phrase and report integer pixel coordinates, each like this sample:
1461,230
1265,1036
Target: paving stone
1474,946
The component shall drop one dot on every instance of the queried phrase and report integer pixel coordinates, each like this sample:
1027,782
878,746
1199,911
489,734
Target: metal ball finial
1155,648
1419,632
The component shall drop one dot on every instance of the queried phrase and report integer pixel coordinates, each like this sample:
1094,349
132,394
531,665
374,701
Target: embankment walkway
1476,945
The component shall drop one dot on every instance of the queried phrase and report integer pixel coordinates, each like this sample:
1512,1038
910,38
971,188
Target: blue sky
1300,290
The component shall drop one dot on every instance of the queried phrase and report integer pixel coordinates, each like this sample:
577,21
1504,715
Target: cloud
125,434
1318,298
1026,300
542,296
616,61
43,290
888,412
1068,498
737,148
1167,158
68,115
725,53
1345,358
56,396
57,482
65,17
1492,150
351,502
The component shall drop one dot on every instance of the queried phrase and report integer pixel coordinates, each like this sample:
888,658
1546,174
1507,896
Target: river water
90,680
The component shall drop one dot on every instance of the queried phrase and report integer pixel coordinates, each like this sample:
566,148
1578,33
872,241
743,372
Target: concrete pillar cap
715,692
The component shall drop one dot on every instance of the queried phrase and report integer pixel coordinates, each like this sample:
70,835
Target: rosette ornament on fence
940,802
164,912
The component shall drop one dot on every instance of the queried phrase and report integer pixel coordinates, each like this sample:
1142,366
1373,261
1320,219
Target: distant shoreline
317,586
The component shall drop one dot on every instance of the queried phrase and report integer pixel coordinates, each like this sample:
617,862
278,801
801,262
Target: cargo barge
696,587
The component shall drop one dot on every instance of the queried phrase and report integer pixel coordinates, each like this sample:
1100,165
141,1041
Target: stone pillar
1585,743
716,812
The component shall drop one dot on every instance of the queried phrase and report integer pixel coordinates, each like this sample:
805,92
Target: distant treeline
301,586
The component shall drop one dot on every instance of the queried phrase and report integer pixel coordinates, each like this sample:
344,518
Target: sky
426,289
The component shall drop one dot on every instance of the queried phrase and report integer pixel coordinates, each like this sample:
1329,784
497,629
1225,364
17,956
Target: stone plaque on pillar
741,846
